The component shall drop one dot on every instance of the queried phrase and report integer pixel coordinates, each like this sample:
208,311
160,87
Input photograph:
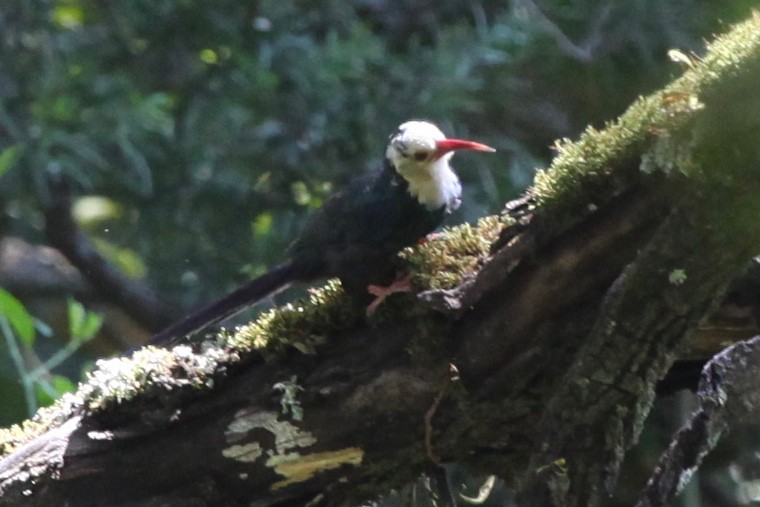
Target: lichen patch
306,467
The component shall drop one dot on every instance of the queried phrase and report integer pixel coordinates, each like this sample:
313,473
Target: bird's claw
402,283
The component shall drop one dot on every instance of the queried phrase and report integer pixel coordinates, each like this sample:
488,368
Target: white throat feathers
413,152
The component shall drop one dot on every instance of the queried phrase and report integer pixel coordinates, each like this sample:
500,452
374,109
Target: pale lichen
284,446
118,381
289,402
305,467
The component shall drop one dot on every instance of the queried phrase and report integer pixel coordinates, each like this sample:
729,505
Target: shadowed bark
728,396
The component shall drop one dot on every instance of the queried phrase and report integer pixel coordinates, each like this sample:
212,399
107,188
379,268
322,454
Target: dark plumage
357,233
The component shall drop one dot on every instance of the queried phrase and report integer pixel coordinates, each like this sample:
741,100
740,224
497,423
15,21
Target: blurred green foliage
39,385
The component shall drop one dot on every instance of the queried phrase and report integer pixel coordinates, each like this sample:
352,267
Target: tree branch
728,398
134,297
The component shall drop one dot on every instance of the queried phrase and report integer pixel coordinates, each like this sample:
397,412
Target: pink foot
430,237
402,283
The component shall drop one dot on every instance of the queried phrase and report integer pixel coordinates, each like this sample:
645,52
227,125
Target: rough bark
728,396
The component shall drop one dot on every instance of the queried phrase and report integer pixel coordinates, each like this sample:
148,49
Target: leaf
262,225
20,319
8,158
128,261
63,384
51,389
42,328
76,314
82,324
68,15
92,209
91,325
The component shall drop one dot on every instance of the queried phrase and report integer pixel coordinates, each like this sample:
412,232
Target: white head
420,153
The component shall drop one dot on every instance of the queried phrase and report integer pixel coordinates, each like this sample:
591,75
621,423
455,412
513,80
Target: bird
357,233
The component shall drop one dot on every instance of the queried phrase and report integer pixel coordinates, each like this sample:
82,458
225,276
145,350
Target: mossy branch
560,316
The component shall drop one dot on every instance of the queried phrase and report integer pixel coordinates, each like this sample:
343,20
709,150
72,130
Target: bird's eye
420,156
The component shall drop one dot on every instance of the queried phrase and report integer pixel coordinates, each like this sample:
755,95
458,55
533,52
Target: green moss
593,169
443,262
302,325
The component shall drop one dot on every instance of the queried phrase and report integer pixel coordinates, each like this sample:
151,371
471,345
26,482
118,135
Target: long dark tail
273,281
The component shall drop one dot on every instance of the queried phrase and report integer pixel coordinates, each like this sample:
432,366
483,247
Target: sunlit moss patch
445,260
